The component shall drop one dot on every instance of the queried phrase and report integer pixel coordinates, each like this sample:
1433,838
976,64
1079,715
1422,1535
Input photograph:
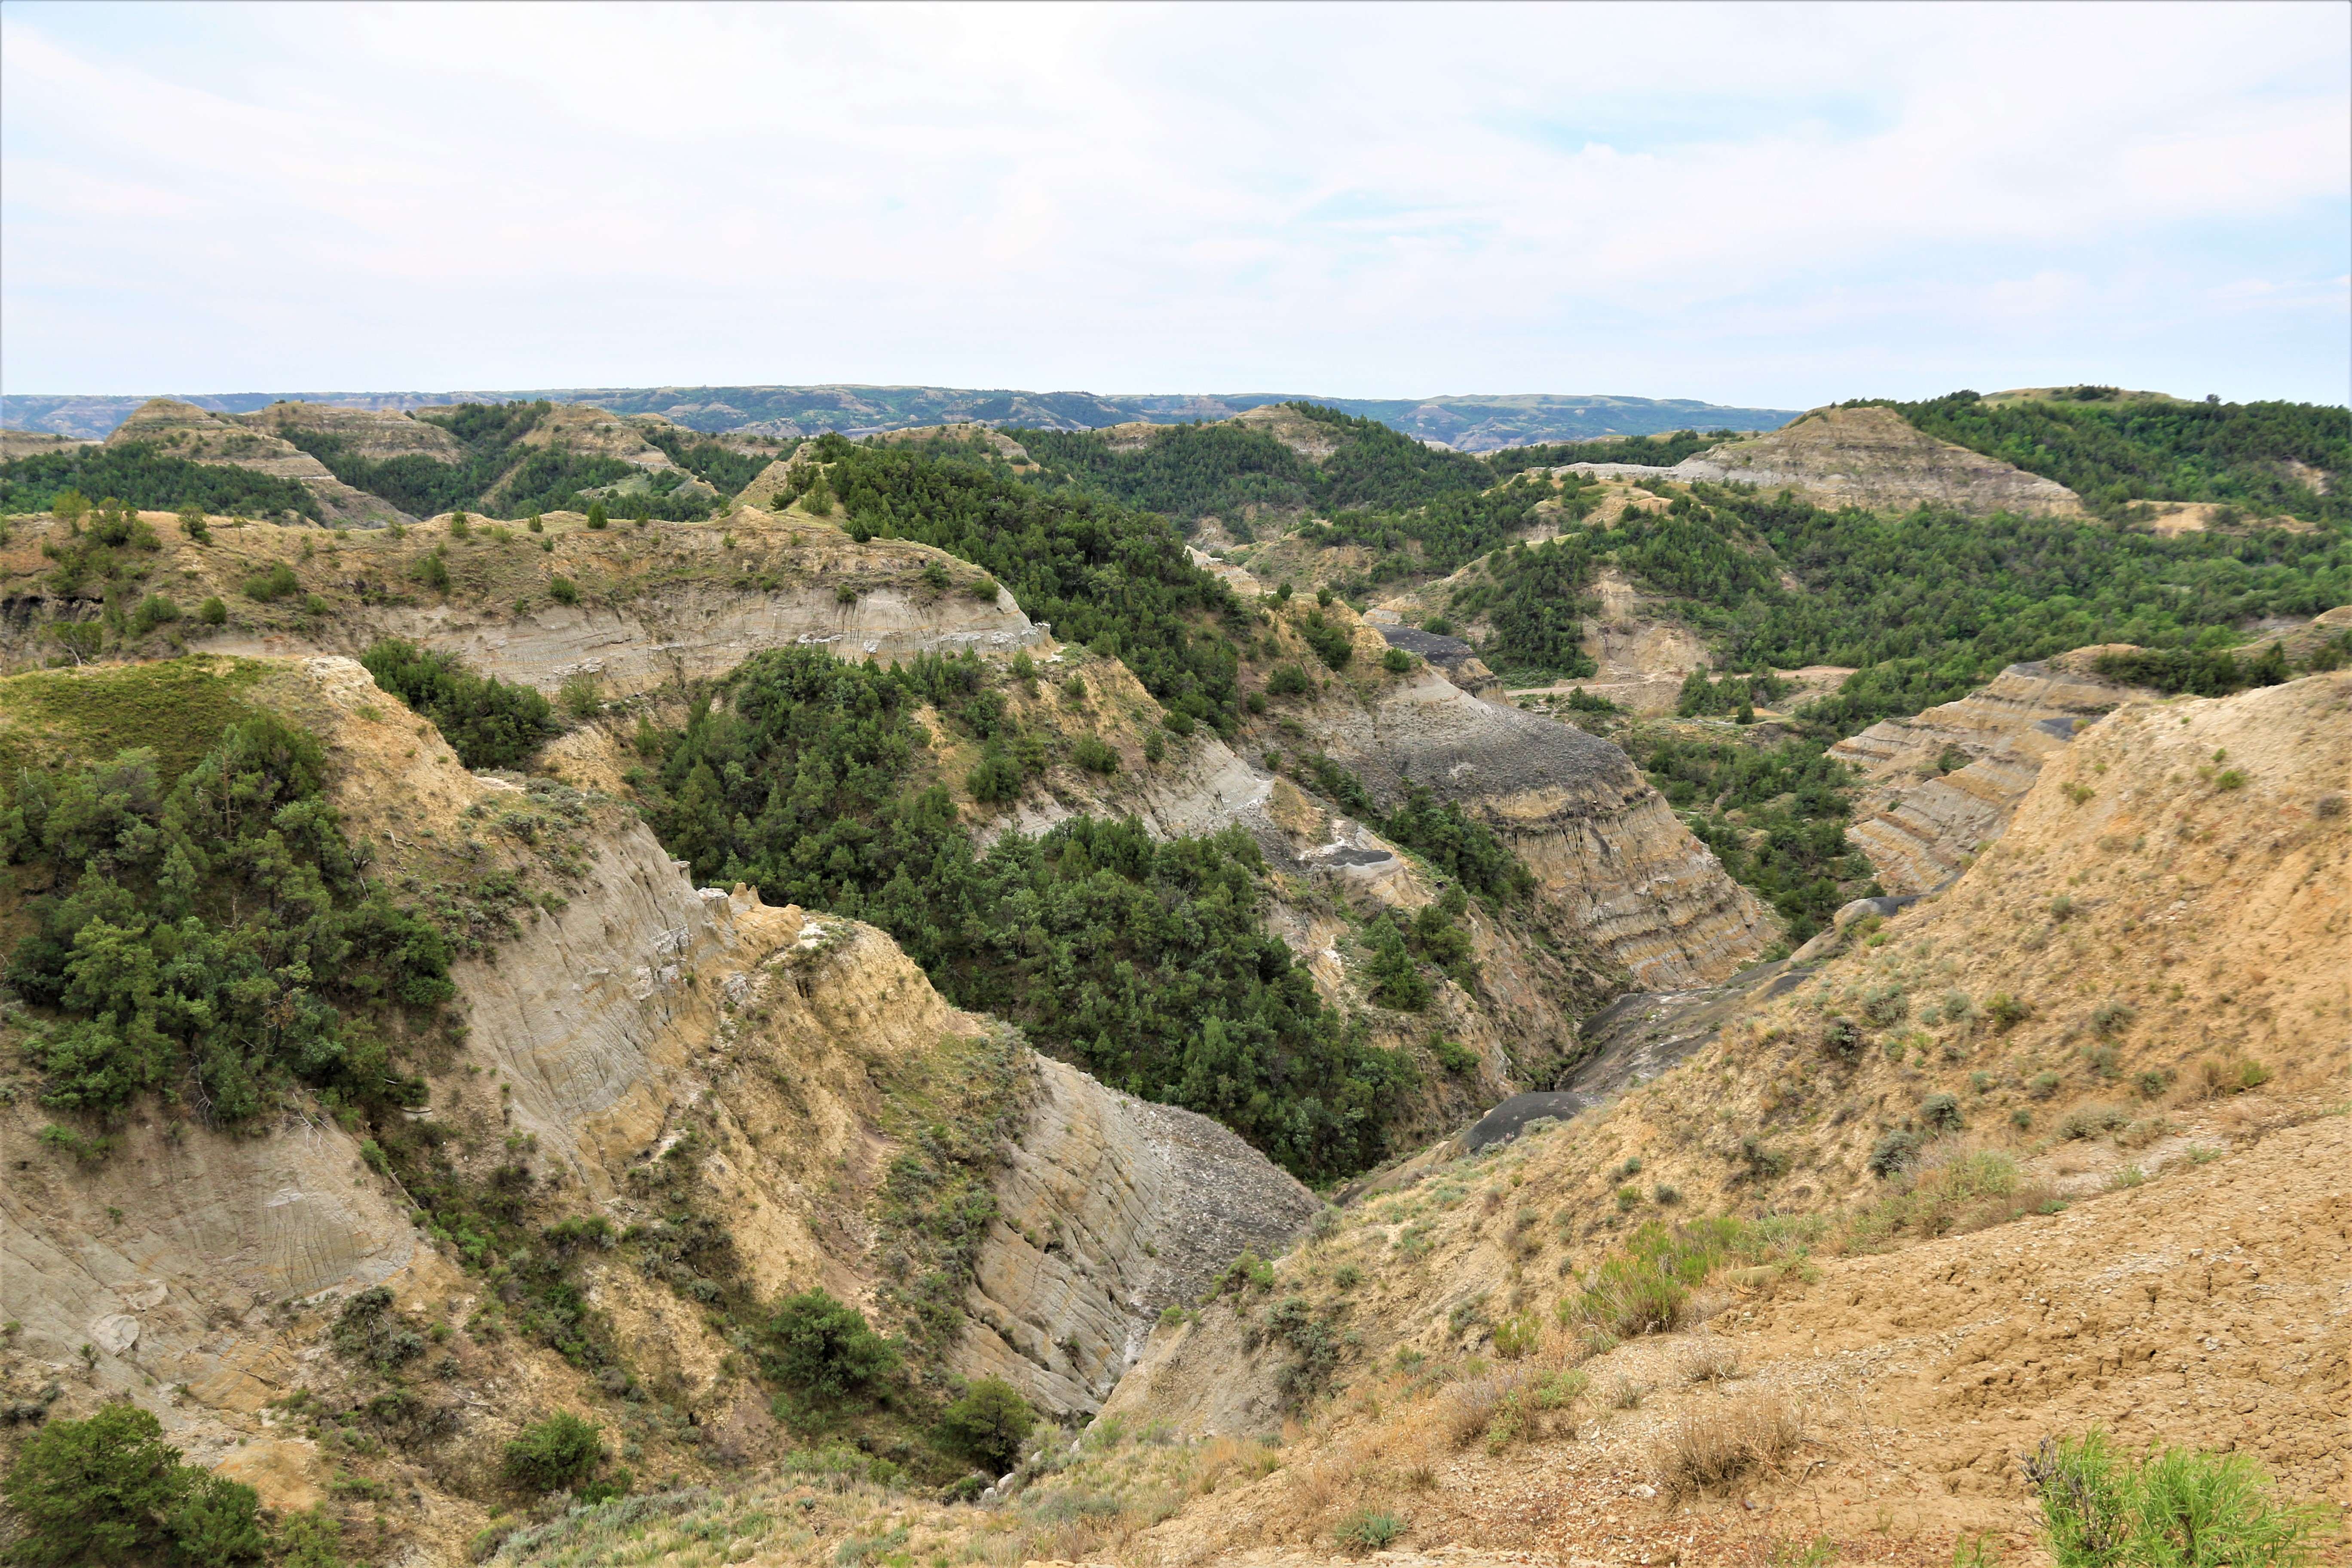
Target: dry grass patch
1710,1360
1512,1405
1712,1448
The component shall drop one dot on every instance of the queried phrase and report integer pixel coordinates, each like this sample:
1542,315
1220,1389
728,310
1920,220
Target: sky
1764,205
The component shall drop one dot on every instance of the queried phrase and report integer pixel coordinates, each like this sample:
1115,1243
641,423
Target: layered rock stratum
1865,457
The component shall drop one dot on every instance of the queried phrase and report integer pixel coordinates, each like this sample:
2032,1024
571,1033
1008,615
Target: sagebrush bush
2180,1508
1368,1529
2090,1120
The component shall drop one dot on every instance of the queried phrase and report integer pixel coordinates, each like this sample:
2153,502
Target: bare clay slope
1873,457
184,430
1573,806
1942,784
661,606
2145,917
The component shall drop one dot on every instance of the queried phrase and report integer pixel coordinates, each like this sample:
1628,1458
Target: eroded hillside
655,1110
2051,1150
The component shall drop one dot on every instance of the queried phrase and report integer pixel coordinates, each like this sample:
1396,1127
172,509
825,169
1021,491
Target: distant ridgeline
1470,424
501,472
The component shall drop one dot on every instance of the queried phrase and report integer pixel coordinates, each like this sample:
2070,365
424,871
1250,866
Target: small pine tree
825,1349
1396,983
988,1425
95,1490
597,516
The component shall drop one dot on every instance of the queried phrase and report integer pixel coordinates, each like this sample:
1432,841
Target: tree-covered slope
1193,470
2113,449
1926,605
148,479
1148,962
504,471
1103,573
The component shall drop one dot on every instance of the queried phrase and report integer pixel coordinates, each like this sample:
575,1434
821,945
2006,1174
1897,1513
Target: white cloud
1771,203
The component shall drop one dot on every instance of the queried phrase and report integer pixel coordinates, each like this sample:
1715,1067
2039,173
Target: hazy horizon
1760,207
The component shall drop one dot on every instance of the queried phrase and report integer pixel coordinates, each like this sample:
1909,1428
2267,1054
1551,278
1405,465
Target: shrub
432,569
1397,661
212,613
823,1349
1368,1529
988,1425
1842,1039
264,587
578,696
1093,755
1286,680
555,1455
2235,1078
1710,1359
2006,1012
2112,1017
1953,1192
563,590
1893,1153
1629,1298
1885,1006
94,1491
597,516
2230,778
997,776
1515,1337
370,1329
2043,1085
1941,1113
2180,1508
1453,1056
154,610
985,589
2090,1120
1759,1163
